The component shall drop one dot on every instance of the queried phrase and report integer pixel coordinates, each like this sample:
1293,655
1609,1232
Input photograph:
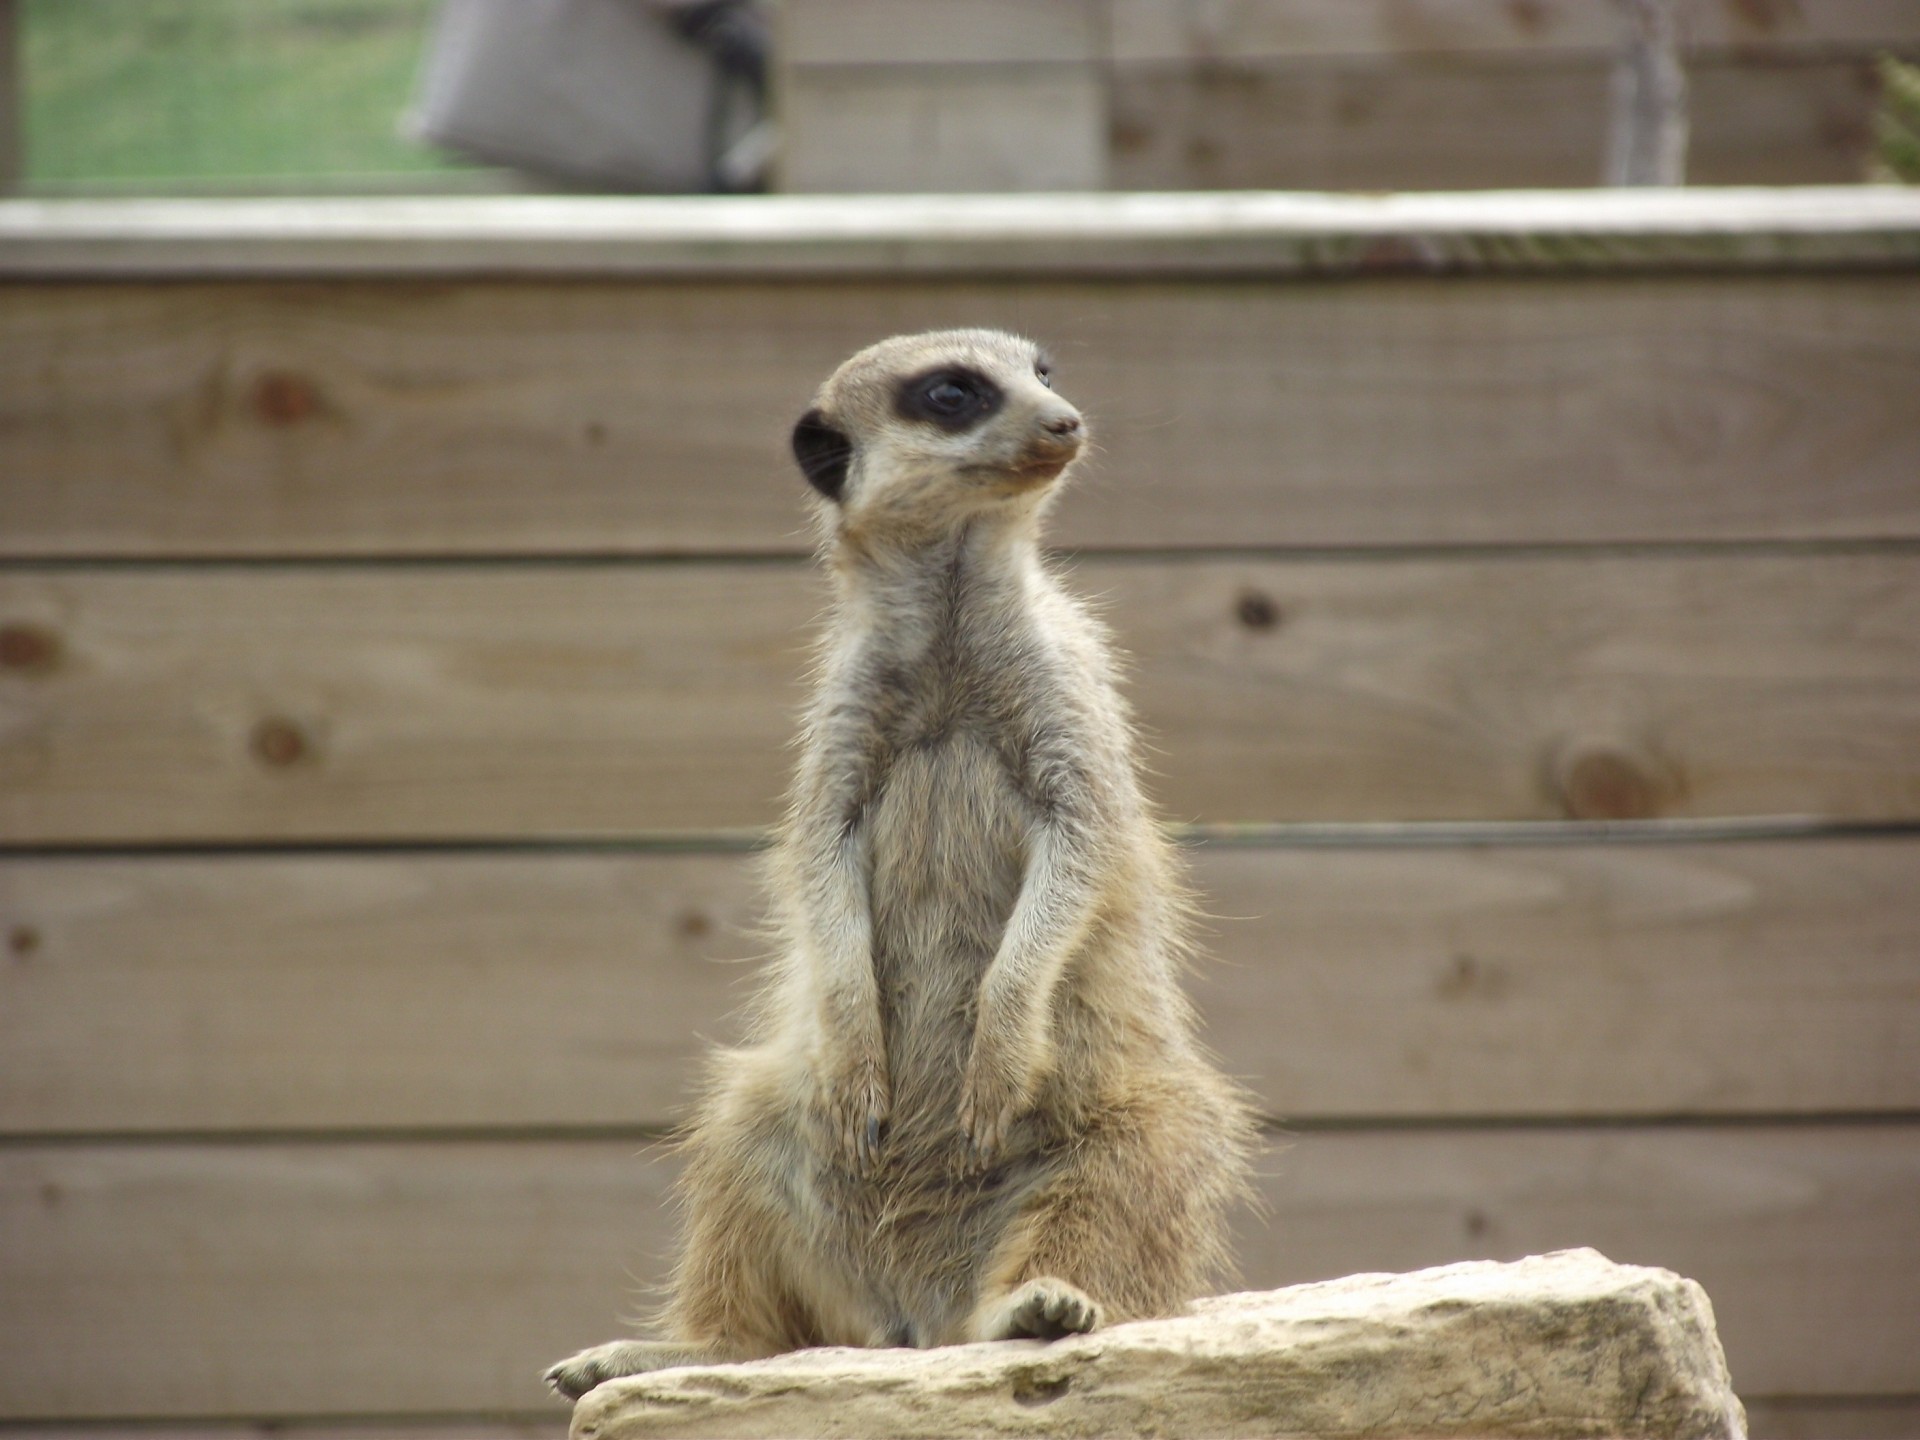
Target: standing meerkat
972,1105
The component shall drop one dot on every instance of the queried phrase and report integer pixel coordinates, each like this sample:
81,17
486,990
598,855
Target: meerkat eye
949,396
954,398
1044,373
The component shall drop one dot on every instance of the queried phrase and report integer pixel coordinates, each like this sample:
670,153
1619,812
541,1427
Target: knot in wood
278,742
30,648
282,398
1256,610
1604,783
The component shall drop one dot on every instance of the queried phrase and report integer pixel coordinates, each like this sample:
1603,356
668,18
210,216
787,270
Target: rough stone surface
1561,1345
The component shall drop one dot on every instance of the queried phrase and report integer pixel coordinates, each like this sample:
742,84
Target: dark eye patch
953,397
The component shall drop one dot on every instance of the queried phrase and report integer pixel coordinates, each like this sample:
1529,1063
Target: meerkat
972,1105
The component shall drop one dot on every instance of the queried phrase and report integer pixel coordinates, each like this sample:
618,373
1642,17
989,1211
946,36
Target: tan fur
971,1105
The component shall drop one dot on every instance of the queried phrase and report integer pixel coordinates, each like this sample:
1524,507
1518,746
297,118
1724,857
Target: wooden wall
1307,94
395,671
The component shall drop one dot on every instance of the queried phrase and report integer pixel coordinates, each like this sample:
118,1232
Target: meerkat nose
1062,425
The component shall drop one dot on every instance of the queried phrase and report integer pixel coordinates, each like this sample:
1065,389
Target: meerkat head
922,432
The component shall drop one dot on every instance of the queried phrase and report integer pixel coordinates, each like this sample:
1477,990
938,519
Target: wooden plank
960,236
380,419
1273,125
1396,30
440,1278
345,703
364,992
1788,1229
1550,981
1792,1417
980,32
360,992
315,1279
942,129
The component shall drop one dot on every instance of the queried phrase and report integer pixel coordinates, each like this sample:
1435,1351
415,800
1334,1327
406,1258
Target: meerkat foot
1042,1309
577,1374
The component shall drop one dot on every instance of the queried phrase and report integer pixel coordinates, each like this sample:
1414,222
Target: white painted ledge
1244,233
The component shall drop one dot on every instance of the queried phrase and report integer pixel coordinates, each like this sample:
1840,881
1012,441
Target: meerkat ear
823,452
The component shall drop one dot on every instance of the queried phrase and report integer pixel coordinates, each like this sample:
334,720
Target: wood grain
398,703
358,992
943,129
371,418
982,32
420,1278
1465,126
1071,237
1547,981
1396,30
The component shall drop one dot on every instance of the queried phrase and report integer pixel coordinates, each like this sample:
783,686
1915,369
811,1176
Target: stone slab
1566,1346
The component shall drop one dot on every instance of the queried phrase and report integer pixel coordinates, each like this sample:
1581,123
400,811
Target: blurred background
400,641
325,96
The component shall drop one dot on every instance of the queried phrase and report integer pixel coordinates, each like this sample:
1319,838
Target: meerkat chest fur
965,670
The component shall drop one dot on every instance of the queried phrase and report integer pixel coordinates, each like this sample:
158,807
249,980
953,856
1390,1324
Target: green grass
1897,126
143,92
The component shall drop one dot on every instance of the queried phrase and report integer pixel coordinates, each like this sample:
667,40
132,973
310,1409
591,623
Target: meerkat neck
986,551
911,592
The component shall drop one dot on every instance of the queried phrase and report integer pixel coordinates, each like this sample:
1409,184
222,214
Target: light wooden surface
286,993
353,703
989,32
449,572
1316,94
1360,125
1397,30
592,418
312,1280
1064,236
943,129
880,32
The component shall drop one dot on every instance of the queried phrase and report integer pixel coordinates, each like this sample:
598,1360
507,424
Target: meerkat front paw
852,1112
1044,1309
990,1103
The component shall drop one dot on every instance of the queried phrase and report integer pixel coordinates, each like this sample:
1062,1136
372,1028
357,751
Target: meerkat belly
948,847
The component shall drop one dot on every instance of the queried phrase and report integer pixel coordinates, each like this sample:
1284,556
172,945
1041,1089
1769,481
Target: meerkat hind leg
577,1374
1044,1308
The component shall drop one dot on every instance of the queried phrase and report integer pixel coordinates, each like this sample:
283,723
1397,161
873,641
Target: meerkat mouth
1043,461
1041,467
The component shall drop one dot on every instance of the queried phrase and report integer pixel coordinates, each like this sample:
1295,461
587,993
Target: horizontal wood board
387,418
1007,32
1271,234
362,992
1282,125
945,129
342,703
1398,30
308,1279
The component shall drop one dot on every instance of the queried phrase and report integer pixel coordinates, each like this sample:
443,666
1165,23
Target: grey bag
606,94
